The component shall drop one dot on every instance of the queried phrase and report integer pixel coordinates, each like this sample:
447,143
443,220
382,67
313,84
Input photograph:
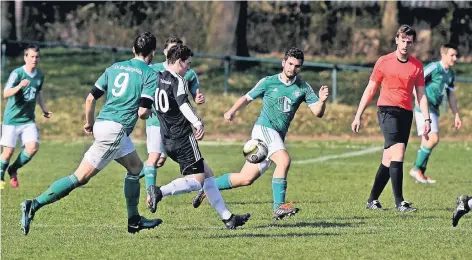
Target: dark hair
145,44
407,30
31,47
178,51
294,53
448,46
170,40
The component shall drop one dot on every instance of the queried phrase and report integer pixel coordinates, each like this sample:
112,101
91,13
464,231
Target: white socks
214,197
180,185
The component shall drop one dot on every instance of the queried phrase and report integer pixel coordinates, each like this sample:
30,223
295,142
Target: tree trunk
19,19
221,37
389,26
6,23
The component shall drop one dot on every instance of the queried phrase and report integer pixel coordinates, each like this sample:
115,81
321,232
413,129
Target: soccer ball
255,151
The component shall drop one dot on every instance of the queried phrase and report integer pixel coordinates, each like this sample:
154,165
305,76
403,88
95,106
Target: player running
129,87
281,95
177,120
23,89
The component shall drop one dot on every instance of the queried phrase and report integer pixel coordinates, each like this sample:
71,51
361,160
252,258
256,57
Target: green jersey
437,81
20,107
191,78
125,83
280,101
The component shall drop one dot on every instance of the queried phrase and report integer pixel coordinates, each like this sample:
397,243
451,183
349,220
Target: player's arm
147,95
95,93
367,96
452,100
194,85
422,100
242,102
42,104
14,85
181,97
317,104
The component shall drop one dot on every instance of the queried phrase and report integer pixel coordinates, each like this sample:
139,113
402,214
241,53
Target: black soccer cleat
138,223
374,205
236,221
405,207
285,210
154,195
461,209
27,215
197,201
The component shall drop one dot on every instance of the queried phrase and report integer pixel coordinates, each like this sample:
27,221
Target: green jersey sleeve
13,80
41,82
150,85
193,82
102,82
310,96
258,90
429,71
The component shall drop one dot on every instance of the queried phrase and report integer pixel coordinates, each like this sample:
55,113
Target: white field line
339,156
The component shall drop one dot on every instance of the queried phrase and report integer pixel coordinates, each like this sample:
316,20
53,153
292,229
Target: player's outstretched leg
463,205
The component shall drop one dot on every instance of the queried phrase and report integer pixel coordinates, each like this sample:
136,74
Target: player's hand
356,125
323,93
427,129
199,98
24,83
457,122
47,114
200,132
88,128
229,115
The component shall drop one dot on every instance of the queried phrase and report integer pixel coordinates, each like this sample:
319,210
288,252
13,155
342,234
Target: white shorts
272,139
10,134
111,143
154,140
419,118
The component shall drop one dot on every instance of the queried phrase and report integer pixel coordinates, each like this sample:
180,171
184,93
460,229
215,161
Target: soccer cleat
138,223
405,207
418,176
461,209
13,177
197,201
3,184
430,180
154,195
374,205
236,221
284,210
27,215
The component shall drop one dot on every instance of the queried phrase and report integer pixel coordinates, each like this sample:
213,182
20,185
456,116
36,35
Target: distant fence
224,58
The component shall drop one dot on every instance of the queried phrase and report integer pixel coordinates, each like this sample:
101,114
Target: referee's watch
429,120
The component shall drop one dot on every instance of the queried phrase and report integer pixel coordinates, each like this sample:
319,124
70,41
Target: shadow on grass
319,224
258,235
270,202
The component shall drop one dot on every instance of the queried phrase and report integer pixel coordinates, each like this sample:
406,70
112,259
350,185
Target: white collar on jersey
289,83
442,66
31,74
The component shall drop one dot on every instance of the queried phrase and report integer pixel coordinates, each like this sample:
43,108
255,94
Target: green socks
3,168
223,182
131,190
150,174
57,191
422,159
22,159
279,186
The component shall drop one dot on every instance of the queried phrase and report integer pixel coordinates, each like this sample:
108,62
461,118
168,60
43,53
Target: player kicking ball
281,95
178,120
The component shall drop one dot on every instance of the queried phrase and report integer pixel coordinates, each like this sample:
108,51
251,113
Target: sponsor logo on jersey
275,90
163,81
296,93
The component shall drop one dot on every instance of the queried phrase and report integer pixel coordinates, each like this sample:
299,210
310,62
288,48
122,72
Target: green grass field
333,224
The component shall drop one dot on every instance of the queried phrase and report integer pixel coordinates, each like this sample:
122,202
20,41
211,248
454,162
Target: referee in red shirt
398,73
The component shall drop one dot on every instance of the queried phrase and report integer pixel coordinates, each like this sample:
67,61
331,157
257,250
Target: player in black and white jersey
178,120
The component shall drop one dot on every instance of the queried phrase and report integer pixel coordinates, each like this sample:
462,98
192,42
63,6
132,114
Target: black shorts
186,153
395,123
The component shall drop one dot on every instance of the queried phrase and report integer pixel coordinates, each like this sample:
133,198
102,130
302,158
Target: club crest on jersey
296,93
163,81
39,83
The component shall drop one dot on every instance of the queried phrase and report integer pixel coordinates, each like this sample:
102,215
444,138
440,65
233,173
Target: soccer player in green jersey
23,90
439,79
156,155
129,87
281,95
